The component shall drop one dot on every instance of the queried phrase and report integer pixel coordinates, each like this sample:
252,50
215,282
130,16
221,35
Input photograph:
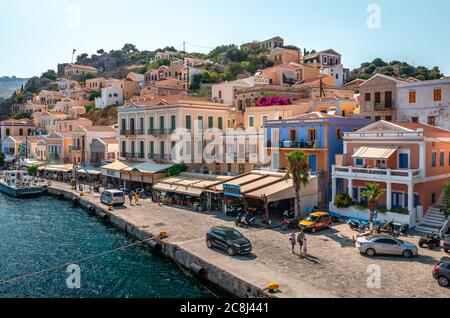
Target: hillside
9,84
395,68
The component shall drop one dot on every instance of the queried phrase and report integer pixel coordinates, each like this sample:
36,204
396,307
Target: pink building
410,161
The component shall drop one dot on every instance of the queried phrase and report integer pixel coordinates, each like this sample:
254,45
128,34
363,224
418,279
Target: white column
422,158
389,196
412,212
350,188
333,189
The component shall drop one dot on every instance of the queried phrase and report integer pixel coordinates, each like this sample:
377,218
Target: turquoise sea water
36,234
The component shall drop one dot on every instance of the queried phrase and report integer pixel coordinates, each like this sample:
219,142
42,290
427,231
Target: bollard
273,287
163,234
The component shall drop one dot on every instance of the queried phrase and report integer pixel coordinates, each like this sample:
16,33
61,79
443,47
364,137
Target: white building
427,102
330,63
111,95
224,92
337,73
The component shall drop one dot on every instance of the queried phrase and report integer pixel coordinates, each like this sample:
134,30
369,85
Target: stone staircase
433,221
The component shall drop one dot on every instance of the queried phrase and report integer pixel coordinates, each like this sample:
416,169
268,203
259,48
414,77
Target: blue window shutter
404,161
313,163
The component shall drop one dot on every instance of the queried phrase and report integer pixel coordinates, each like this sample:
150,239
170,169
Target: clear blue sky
36,35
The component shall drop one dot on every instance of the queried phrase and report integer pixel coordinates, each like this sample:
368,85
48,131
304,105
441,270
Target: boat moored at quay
20,184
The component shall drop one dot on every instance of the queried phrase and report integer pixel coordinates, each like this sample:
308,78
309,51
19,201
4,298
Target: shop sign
232,190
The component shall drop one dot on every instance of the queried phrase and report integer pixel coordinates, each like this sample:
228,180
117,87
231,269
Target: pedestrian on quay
136,198
305,247
285,224
131,196
300,240
292,240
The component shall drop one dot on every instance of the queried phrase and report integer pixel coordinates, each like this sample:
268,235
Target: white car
112,197
380,244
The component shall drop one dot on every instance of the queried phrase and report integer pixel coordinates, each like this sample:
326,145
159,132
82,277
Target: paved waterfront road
335,269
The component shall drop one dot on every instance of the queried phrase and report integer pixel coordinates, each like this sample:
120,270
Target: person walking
136,198
292,240
300,240
305,247
131,197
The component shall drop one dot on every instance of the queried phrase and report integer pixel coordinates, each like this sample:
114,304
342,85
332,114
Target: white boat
19,184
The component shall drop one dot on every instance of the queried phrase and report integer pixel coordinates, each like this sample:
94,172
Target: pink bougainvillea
273,100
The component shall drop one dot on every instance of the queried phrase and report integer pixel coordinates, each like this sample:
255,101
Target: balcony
132,132
376,174
160,132
160,157
131,155
299,144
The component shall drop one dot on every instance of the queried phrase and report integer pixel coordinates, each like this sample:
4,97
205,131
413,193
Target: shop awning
261,183
149,168
275,192
57,168
116,166
375,152
239,181
195,192
89,170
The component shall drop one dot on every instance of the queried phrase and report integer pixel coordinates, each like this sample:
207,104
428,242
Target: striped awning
374,152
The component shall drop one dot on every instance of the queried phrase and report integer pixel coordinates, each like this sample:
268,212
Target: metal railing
298,144
163,157
386,173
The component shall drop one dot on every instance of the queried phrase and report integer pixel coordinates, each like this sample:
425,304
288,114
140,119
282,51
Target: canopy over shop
265,191
187,190
89,173
144,175
57,172
133,175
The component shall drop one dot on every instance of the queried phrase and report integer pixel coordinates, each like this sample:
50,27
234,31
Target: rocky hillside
9,84
395,68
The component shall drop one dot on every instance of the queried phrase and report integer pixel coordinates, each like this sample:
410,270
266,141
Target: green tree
372,194
129,48
32,170
86,77
446,199
176,169
50,74
299,170
101,52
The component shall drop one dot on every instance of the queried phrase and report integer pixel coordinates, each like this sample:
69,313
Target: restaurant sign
232,190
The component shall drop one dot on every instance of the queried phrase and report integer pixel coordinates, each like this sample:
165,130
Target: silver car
386,245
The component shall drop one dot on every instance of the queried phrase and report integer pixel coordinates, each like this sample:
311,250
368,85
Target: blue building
320,136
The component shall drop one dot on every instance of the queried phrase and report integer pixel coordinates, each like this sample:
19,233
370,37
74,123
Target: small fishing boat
19,184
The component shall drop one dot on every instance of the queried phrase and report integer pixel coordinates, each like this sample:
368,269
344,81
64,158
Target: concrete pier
333,268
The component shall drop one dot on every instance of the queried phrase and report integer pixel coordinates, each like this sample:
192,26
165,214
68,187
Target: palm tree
299,169
372,194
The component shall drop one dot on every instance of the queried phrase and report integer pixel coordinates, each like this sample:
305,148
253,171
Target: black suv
441,272
229,240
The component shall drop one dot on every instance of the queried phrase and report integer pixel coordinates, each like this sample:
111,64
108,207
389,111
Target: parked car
381,244
229,240
316,221
112,197
446,244
441,272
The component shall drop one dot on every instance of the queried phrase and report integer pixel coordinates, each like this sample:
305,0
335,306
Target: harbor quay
333,267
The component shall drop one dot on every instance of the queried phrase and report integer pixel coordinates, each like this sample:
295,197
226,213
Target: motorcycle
385,228
244,220
357,225
234,210
430,240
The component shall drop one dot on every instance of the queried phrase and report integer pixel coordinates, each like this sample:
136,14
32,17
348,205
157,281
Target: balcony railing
298,144
161,131
132,132
132,155
162,157
377,173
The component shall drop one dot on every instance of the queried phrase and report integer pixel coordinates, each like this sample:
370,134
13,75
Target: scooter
357,225
430,240
234,210
244,220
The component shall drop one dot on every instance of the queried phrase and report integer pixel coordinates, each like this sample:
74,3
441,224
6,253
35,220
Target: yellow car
316,221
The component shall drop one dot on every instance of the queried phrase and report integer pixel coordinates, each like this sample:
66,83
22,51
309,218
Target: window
188,122
433,159
220,94
161,149
210,122
359,162
312,135
437,95
312,163
200,122
441,158
141,149
251,121
161,122
20,132
152,147
403,159
414,119
412,97
338,134
151,124
173,122
388,118
220,123
367,99
124,147
432,121
241,169
377,97
377,118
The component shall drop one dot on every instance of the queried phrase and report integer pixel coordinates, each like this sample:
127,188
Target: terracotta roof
99,128
428,129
